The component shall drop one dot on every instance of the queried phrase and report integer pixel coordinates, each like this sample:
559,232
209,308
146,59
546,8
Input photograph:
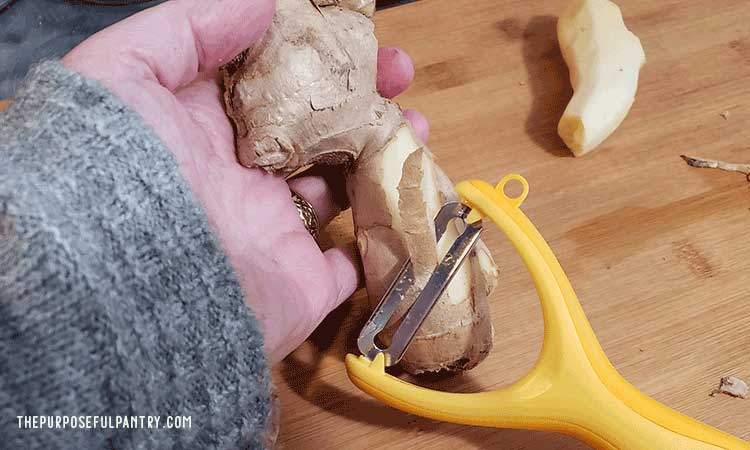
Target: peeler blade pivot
427,298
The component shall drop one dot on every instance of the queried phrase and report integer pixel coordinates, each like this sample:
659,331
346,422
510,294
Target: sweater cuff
120,300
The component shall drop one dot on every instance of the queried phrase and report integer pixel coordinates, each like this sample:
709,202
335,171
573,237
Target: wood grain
657,251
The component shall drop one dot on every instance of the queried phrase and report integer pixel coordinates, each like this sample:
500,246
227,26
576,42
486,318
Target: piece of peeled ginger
604,59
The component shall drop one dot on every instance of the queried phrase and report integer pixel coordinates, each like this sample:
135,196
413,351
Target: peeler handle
573,389
592,415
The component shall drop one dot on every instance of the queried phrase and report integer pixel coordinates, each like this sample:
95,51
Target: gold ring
307,214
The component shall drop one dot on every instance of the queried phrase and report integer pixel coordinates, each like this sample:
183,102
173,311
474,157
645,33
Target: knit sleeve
116,298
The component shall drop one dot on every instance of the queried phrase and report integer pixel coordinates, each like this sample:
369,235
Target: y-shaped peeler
573,388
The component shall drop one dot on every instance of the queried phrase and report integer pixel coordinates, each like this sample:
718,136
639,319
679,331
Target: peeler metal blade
427,298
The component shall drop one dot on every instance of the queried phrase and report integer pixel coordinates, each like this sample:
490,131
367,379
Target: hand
163,63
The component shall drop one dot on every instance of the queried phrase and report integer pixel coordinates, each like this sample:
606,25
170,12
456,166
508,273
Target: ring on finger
306,214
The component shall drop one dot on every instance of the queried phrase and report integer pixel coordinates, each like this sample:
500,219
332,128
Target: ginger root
395,194
305,94
604,59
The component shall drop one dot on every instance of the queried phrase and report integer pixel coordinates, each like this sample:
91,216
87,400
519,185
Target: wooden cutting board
659,253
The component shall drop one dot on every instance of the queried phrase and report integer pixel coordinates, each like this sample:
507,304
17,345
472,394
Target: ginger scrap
604,60
732,386
716,164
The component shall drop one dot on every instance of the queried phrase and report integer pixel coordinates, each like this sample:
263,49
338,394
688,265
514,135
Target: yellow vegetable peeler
573,388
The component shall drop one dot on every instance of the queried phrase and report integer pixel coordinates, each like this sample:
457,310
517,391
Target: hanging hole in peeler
514,188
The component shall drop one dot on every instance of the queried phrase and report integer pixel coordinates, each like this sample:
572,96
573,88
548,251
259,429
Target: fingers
344,264
418,123
395,74
395,71
172,42
324,188
283,331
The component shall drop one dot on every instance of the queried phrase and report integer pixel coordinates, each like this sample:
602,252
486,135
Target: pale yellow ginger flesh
395,194
306,95
604,60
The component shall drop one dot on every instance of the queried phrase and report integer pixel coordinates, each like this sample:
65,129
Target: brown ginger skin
305,95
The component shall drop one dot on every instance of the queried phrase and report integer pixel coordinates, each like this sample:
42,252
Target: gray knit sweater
115,296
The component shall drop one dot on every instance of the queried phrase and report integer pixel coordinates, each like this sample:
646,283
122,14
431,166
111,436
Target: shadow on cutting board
336,336
548,83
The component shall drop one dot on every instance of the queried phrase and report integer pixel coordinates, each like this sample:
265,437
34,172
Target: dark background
32,30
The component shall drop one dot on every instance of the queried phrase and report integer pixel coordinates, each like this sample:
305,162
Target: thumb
174,41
